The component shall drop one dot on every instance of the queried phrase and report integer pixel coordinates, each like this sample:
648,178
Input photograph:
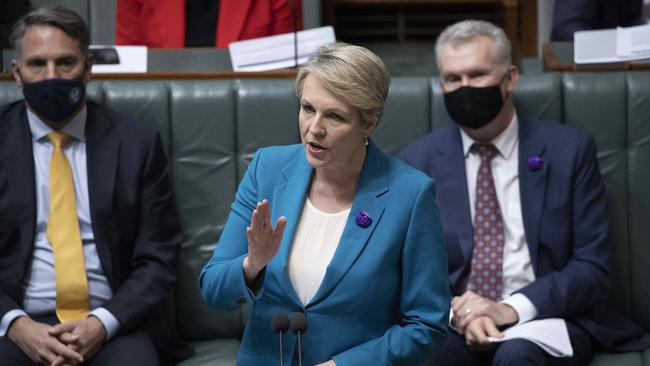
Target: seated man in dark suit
88,228
523,210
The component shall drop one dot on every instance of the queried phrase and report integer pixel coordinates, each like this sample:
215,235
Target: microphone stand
295,33
299,351
281,350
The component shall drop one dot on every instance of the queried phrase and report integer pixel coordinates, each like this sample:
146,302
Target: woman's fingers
278,231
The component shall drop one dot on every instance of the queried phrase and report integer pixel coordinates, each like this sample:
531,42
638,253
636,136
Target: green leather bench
211,128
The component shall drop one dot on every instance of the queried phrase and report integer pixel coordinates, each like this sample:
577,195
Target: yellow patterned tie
64,236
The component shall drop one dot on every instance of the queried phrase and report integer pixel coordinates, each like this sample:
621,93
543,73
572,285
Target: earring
365,140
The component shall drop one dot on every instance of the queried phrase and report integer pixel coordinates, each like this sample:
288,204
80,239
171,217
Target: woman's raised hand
263,240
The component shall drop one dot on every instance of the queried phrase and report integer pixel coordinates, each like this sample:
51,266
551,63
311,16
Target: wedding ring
467,311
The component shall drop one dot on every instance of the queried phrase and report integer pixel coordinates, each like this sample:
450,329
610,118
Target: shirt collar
505,142
76,128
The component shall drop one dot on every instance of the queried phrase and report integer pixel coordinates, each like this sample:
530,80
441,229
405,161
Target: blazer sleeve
128,22
283,16
156,244
425,296
583,281
222,280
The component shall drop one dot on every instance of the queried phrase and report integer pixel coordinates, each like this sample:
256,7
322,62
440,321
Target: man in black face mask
523,211
88,228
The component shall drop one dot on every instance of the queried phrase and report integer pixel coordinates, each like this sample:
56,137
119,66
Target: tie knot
485,151
58,139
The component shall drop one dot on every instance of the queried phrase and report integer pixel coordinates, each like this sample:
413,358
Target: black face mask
474,107
55,99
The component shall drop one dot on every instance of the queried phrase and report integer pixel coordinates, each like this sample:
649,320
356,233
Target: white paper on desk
550,334
595,46
633,41
132,59
278,52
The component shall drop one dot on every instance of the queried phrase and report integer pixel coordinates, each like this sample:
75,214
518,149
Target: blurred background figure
10,11
203,23
570,16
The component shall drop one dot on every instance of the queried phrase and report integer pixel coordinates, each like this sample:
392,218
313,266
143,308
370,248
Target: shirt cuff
110,322
525,309
8,318
451,325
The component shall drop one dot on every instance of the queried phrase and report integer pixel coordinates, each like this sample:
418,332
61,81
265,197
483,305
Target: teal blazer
385,297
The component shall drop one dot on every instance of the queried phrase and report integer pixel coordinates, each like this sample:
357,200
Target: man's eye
36,63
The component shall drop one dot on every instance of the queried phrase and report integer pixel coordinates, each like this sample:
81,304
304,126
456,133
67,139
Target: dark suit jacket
565,221
570,16
133,215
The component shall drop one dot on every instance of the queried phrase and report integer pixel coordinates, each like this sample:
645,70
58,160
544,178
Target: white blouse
314,244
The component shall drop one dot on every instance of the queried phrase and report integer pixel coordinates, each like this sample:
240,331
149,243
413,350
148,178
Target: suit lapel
102,150
452,183
532,186
288,201
18,158
373,183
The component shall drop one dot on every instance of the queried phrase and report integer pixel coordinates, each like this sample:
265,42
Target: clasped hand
70,343
263,240
477,318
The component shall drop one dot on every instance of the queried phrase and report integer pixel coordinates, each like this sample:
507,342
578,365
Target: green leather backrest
596,103
637,275
204,163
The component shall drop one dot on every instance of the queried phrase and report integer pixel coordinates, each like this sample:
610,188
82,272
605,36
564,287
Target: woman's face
330,129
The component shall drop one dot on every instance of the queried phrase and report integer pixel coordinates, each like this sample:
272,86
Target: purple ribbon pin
535,163
363,219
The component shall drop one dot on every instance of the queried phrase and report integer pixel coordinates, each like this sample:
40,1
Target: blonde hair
353,74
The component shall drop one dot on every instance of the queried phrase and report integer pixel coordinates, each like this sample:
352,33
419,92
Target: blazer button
240,300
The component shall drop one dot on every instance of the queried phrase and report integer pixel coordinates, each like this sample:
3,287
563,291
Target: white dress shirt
317,237
40,286
517,266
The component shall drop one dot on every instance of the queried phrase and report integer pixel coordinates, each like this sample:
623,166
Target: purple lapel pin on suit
535,163
363,219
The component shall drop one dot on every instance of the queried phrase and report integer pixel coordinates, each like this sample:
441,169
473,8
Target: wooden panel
401,21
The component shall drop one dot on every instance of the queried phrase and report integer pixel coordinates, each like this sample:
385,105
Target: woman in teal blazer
373,281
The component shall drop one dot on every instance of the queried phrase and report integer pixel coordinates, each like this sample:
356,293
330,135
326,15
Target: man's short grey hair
469,30
54,16
353,74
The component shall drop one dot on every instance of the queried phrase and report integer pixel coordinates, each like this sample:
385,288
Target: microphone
280,324
295,32
299,327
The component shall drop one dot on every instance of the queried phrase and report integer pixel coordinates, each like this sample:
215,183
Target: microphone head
298,323
280,322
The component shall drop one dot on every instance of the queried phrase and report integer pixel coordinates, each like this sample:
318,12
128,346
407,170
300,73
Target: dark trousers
133,348
455,352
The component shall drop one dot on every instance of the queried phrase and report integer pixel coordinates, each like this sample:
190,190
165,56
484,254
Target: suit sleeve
283,16
425,295
127,19
222,280
570,16
584,280
156,245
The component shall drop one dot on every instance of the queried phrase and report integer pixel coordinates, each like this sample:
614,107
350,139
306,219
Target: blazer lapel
532,186
102,150
451,179
288,201
373,183
18,158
